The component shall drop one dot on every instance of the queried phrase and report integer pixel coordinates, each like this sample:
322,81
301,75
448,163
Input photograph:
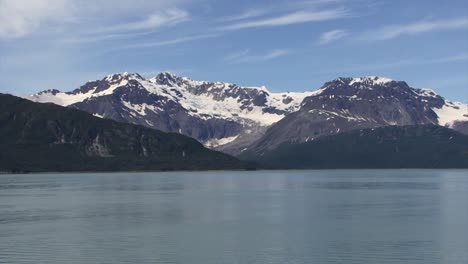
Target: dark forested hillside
386,147
46,137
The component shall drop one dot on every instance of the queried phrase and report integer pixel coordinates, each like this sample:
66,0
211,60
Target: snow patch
451,112
66,99
141,109
215,142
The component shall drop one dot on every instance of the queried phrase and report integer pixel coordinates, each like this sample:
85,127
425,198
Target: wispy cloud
92,38
394,31
68,17
296,17
455,58
20,18
147,26
331,36
159,43
251,13
167,17
246,56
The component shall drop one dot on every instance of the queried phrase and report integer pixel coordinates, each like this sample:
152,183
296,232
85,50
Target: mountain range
236,119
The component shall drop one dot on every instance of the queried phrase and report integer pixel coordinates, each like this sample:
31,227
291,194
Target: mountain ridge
210,112
232,118
347,104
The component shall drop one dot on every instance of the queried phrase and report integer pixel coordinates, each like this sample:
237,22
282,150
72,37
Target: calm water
368,216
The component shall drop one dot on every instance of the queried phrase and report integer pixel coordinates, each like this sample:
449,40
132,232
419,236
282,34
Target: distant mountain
214,113
426,146
357,103
46,137
234,119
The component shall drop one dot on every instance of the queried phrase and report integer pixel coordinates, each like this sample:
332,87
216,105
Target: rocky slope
356,103
46,137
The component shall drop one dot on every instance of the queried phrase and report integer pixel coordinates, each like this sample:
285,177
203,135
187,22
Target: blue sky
284,45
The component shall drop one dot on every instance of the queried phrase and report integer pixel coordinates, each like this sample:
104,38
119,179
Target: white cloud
245,56
394,31
19,18
296,17
330,36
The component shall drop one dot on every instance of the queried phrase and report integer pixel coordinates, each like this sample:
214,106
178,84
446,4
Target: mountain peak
367,80
374,80
121,76
168,74
426,92
167,78
49,91
348,84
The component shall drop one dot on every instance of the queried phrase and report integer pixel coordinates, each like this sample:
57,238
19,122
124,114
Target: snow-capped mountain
214,113
233,119
357,103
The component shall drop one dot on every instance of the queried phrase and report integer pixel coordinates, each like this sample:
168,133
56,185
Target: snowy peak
91,89
120,76
370,86
201,99
357,103
167,78
220,113
427,93
49,91
361,82
371,80
384,101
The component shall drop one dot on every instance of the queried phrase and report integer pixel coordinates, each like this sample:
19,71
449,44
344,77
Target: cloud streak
160,43
168,17
395,31
251,13
297,17
455,58
20,18
331,36
246,56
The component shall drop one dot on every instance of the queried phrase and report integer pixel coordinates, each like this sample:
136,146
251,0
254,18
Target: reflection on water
357,216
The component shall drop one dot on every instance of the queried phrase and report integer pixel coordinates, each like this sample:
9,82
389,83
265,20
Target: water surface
336,216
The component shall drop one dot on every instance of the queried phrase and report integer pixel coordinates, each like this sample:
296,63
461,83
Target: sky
284,45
